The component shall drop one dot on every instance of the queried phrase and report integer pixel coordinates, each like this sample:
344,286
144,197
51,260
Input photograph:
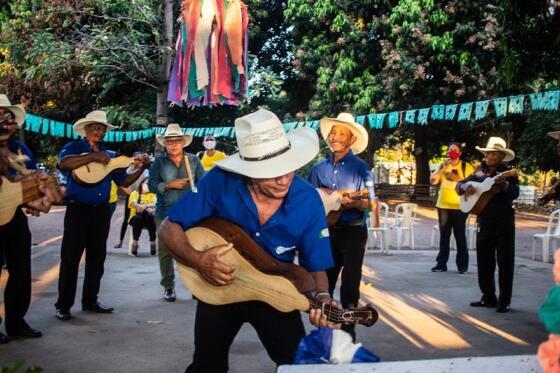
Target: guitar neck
365,315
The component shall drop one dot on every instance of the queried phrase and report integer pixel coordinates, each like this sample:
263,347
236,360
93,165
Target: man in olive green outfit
169,179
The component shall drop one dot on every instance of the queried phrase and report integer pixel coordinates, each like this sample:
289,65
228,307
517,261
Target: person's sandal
118,246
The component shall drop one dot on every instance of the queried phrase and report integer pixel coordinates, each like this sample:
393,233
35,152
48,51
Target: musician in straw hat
343,170
170,178
88,215
495,240
18,164
256,189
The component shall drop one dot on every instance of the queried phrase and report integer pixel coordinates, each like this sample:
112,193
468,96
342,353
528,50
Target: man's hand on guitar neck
316,316
214,270
51,194
142,161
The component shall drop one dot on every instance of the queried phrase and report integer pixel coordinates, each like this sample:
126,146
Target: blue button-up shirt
89,194
350,172
16,147
299,225
162,171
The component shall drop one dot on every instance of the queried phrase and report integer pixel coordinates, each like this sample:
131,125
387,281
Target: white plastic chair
405,213
380,233
471,229
552,233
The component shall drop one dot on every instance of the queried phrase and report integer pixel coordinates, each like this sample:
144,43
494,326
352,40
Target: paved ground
423,315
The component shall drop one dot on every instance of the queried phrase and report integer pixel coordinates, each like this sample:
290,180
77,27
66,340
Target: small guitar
94,172
14,194
258,276
475,203
332,199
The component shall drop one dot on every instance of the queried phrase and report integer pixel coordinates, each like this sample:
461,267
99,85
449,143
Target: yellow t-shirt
145,199
208,162
448,197
113,194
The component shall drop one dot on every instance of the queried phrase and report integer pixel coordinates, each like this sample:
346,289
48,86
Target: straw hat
174,130
266,150
346,120
554,134
96,116
497,144
17,110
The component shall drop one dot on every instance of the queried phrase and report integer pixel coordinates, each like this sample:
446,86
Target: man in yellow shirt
450,217
211,155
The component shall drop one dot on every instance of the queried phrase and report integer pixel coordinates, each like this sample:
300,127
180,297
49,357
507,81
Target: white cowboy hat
17,110
346,120
554,134
496,144
96,116
266,150
174,130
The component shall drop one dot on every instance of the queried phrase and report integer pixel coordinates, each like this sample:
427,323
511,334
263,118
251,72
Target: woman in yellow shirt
211,155
450,216
142,205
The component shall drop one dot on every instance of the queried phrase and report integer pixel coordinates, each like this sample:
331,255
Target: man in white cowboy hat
169,179
210,155
257,190
343,170
495,241
15,245
88,215
554,191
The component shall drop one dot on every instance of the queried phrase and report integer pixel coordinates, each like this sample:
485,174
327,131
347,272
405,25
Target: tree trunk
421,155
165,63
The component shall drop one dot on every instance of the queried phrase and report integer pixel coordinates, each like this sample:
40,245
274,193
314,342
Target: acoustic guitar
332,198
94,172
475,203
258,276
14,194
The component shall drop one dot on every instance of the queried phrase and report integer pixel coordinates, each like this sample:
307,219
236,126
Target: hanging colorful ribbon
211,59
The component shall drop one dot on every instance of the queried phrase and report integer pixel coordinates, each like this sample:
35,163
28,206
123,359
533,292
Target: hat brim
509,154
161,139
358,130
80,126
554,134
18,111
304,146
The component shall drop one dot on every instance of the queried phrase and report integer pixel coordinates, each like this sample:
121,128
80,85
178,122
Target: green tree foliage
369,56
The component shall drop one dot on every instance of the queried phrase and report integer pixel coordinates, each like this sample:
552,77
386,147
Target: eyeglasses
174,142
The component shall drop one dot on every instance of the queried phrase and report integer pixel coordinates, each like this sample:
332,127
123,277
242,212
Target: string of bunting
548,100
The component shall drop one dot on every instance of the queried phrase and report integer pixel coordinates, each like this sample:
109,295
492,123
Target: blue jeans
452,220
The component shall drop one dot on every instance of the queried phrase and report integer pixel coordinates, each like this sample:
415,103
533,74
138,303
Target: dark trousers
452,220
85,227
215,328
141,221
15,247
348,245
495,243
125,219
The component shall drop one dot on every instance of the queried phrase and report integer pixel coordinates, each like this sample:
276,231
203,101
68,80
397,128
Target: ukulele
475,203
94,172
332,201
14,194
259,276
